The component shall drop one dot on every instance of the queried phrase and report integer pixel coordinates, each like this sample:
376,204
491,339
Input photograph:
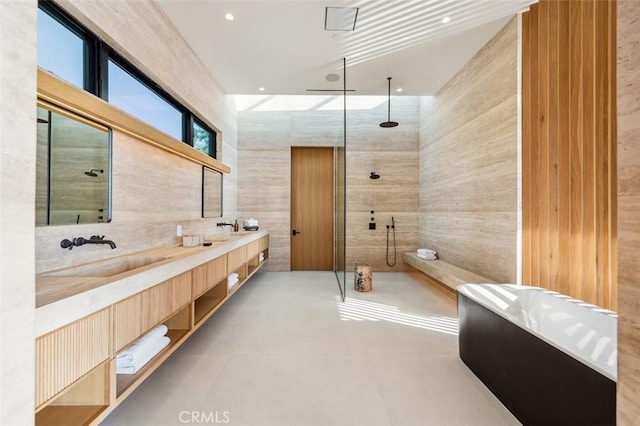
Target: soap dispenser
235,226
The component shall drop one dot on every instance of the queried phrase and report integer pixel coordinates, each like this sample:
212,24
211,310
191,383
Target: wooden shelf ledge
444,273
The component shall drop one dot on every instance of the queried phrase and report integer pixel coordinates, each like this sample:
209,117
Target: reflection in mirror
73,174
211,193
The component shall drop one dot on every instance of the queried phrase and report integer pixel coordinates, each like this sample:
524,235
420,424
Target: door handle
295,232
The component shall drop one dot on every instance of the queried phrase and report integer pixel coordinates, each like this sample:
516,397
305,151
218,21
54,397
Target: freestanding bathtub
550,359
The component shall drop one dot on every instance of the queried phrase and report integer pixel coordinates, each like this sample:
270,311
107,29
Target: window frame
130,69
213,142
97,55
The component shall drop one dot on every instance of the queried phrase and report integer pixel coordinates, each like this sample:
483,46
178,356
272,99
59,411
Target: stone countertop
61,300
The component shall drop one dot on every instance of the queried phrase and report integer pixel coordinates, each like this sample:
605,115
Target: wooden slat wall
569,194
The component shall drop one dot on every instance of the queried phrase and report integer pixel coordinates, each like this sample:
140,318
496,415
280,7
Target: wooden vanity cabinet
136,315
76,367
237,262
206,276
65,355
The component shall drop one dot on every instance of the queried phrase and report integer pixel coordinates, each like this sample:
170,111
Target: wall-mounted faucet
224,224
77,242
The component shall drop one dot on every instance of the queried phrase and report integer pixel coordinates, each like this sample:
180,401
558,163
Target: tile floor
283,351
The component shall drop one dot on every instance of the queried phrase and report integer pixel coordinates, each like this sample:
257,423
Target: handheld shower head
93,173
374,175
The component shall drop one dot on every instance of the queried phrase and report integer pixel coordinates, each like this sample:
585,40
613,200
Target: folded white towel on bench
426,251
427,256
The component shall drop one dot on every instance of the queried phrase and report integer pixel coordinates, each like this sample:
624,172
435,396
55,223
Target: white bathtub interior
584,331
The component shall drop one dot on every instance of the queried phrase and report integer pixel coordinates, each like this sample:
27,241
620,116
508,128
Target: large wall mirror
73,175
211,193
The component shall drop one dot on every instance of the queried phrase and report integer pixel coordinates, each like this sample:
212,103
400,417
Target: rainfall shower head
374,175
93,173
389,123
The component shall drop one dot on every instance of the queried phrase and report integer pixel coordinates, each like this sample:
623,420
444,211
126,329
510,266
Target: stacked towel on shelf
261,257
427,254
232,279
251,222
136,355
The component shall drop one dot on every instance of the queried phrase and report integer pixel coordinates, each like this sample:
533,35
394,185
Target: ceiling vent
340,18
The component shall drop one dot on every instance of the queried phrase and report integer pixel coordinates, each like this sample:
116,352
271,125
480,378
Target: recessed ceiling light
399,89
445,19
261,89
228,16
332,77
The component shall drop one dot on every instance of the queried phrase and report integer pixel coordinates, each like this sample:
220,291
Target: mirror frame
53,108
202,212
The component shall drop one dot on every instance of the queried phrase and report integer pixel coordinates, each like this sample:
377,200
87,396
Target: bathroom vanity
87,314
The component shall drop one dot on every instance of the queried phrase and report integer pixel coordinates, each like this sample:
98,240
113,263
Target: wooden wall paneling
568,150
575,141
535,151
553,121
543,118
66,354
601,149
564,149
613,153
526,148
588,173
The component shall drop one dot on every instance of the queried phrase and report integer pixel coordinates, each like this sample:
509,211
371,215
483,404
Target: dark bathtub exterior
538,383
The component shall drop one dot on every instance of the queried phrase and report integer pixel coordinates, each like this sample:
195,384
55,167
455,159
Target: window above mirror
71,52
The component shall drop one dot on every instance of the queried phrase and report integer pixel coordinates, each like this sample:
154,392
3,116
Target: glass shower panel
340,194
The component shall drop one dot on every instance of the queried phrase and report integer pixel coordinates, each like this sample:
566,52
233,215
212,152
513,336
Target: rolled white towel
426,251
251,222
123,367
427,256
232,279
139,347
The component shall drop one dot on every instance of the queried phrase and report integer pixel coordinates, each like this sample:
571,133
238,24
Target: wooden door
311,209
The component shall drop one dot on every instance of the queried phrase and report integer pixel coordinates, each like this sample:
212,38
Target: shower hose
393,229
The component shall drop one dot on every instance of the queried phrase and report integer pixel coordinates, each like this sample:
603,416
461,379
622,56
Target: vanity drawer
236,258
253,248
127,321
264,243
65,355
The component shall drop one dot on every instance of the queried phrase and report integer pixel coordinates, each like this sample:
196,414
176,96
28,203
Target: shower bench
443,275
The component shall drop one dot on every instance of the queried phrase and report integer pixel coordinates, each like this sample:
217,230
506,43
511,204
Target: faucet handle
66,244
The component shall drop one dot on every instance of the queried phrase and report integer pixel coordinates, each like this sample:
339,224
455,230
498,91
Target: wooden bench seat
443,274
